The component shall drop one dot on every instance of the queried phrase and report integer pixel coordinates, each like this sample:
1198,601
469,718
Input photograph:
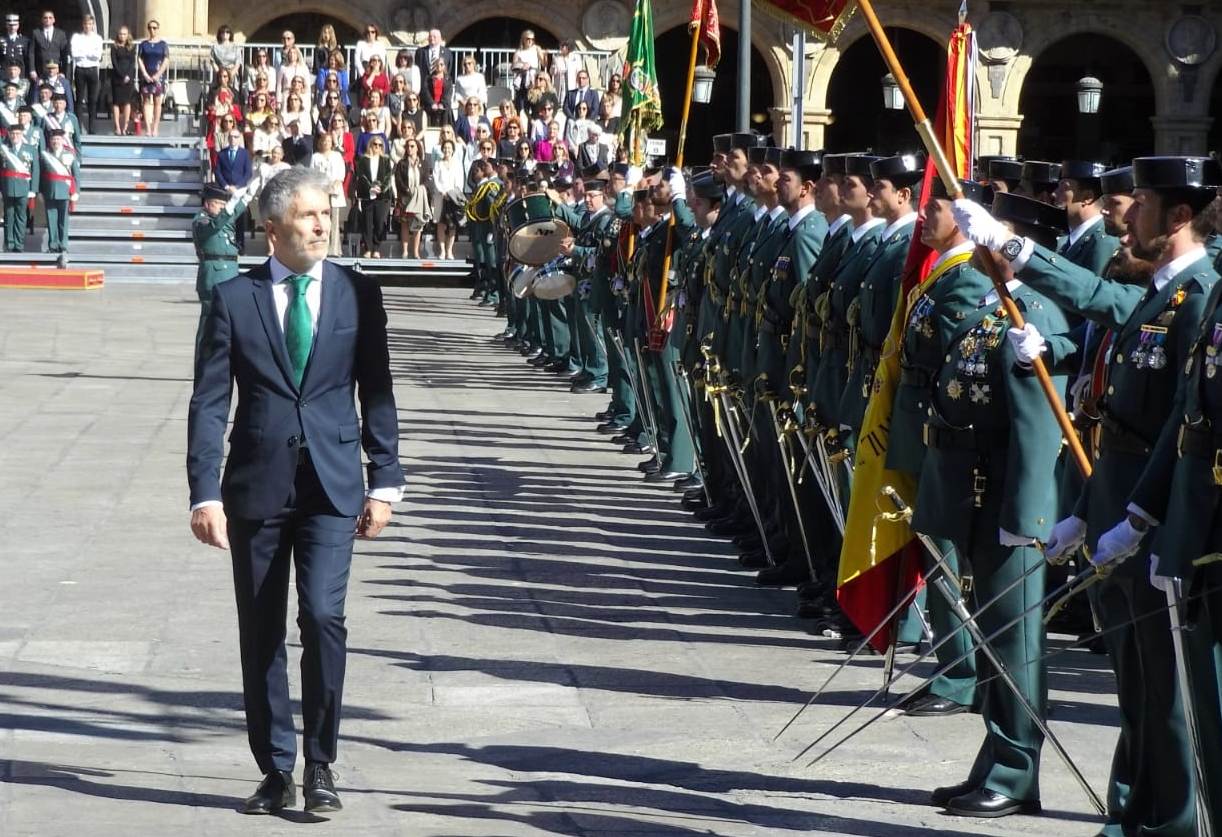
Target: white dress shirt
865,228
898,225
1082,229
835,226
797,217
86,50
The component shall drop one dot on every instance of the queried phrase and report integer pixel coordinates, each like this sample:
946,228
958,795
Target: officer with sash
483,232
61,176
991,445
9,106
1133,377
215,240
33,131
19,169
61,119
802,239
933,310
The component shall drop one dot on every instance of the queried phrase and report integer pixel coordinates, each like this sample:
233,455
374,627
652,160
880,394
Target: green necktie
298,326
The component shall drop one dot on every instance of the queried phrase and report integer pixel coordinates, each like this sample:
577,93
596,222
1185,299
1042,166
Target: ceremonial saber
787,464
653,417
618,340
689,419
934,149
1175,604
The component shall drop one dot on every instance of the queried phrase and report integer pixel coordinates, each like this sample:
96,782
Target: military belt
1117,438
220,258
969,438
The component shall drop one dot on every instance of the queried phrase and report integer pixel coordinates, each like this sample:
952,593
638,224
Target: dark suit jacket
362,182
464,128
427,101
56,49
243,343
591,98
297,151
232,173
422,60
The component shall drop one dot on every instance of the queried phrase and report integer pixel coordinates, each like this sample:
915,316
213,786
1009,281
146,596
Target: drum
553,281
520,281
534,234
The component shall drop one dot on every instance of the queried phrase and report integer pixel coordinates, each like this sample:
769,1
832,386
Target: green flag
642,111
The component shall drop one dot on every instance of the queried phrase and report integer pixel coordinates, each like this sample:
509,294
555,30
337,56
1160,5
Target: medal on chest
1212,351
977,345
1151,353
780,269
920,320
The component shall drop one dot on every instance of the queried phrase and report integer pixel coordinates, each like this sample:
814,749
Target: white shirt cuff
1020,261
1137,510
1009,539
386,495
205,504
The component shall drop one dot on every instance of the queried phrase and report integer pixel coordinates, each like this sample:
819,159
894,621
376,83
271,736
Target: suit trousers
310,534
88,88
16,219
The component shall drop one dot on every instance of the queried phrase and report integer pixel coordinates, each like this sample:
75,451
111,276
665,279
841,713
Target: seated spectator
333,76
226,55
224,80
405,66
292,67
470,84
297,146
508,113
540,127
260,65
461,153
472,118
255,117
565,63
524,153
577,129
607,118
262,84
369,129
404,133
436,96
540,96
545,149
233,171
331,106
562,162
397,100
528,60
371,46
413,112
374,79
380,112
267,136
582,93
267,169
331,163
592,152
508,143
295,113
218,129
483,139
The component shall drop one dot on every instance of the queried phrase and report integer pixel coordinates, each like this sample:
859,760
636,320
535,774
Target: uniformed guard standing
15,47
482,230
1134,376
596,221
992,445
609,280
19,170
60,189
215,240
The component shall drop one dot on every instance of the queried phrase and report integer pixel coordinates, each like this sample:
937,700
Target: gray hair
279,192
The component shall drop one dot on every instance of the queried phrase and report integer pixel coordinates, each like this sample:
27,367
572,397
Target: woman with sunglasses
332,76
262,85
397,99
152,61
436,96
414,113
293,67
405,66
368,47
330,107
260,65
226,55
374,79
411,198
470,84
372,184
269,135
527,62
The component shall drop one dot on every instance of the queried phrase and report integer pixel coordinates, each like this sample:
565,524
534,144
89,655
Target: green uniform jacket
1093,250
214,236
870,322
790,270
59,190
832,307
16,184
804,347
931,325
993,442
759,268
1152,335
715,291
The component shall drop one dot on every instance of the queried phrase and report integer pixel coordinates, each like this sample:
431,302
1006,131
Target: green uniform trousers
16,221
57,225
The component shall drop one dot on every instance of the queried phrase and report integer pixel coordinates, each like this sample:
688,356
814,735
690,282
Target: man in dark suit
432,51
15,47
297,148
299,336
233,172
48,43
582,93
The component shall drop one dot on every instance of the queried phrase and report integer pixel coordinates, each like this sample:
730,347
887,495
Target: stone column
997,134
1181,134
814,123
177,19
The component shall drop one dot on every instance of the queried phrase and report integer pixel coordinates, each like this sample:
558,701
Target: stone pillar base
1181,135
814,122
997,135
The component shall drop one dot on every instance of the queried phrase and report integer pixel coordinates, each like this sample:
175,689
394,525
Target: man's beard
1151,251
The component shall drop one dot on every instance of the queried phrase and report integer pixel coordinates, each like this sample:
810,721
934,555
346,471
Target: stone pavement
539,645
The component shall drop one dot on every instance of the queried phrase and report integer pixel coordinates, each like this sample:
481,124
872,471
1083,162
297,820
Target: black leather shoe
579,376
611,428
749,541
986,803
727,527
587,388
663,476
756,559
604,415
649,466
475,294
942,796
933,706
274,793
557,366
530,352
637,448
487,302
693,504
538,360
507,334
787,574
318,787
689,483
711,513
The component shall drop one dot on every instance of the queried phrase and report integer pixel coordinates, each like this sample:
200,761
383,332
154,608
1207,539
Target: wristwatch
1012,248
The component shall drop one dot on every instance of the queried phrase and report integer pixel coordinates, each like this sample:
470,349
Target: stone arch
246,18
562,20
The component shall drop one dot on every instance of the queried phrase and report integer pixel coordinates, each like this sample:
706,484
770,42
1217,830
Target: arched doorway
306,26
672,50
501,33
855,94
1053,129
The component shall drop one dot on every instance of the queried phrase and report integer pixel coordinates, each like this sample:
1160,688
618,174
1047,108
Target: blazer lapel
261,280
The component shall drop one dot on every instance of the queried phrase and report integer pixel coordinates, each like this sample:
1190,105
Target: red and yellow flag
871,579
825,18
705,18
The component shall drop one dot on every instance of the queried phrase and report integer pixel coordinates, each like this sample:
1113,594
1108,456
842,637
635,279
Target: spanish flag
825,18
874,572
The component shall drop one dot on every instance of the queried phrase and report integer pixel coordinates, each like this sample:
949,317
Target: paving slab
540,644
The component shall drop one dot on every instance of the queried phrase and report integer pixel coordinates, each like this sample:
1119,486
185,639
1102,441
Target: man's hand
373,519
566,245
209,526
979,226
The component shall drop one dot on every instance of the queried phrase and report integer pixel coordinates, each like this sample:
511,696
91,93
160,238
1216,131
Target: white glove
678,186
1159,582
1067,536
1116,544
979,226
1027,342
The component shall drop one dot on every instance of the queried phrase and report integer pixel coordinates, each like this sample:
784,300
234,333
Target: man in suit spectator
297,147
233,172
297,337
432,51
49,44
15,48
583,93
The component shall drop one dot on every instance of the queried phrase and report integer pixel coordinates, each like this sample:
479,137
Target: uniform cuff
1024,255
1137,510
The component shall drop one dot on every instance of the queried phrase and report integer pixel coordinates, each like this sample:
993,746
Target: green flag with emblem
642,111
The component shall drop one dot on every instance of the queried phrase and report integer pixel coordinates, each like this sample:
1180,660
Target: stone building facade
1175,43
